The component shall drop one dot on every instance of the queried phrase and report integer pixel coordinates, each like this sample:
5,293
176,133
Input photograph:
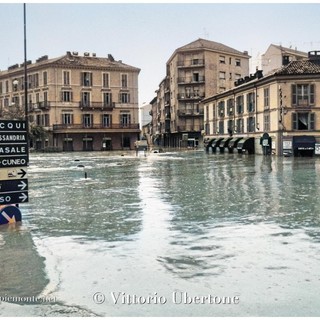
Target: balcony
84,105
191,96
80,127
190,113
194,80
193,63
38,106
190,128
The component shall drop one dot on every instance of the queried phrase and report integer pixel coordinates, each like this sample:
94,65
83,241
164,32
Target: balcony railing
190,112
43,105
96,105
183,80
132,126
191,63
191,96
190,128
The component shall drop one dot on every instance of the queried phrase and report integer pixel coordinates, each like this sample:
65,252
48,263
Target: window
303,121
125,119
195,77
124,80
239,125
86,79
237,76
222,59
107,99
7,86
303,94
195,62
124,97
251,124
251,102
106,120
0,87
45,78
42,120
222,75
266,122
221,127
230,107
87,120
105,80
66,96
67,118
230,127
237,62
221,109
66,78
239,102
266,98
189,108
45,96
85,99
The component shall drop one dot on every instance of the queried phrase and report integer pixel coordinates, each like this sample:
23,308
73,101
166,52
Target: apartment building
278,113
75,102
194,71
278,56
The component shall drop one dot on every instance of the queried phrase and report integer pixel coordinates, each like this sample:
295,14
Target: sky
145,35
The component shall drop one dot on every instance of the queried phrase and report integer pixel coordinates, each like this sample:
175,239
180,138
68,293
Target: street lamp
25,72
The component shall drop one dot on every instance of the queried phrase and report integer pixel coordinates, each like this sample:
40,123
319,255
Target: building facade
278,56
278,113
195,71
75,102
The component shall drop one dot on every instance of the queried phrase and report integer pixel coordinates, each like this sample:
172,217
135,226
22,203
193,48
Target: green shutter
294,121
294,94
311,93
312,121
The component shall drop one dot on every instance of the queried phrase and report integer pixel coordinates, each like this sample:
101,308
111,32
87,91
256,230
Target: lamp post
25,72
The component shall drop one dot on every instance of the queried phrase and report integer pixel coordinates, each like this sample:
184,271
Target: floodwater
170,234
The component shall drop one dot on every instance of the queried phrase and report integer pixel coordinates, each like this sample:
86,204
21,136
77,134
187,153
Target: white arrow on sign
23,197
10,220
22,185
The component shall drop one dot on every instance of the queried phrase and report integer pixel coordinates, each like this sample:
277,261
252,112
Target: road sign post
14,158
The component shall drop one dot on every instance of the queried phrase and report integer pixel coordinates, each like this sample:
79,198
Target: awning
217,142
106,139
246,144
303,142
224,142
233,142
87,139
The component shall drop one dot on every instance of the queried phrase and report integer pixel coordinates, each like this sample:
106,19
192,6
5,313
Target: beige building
76,102
278,113
195,71
277,56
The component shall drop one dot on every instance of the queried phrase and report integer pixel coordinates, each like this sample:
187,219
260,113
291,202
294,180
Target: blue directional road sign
10,214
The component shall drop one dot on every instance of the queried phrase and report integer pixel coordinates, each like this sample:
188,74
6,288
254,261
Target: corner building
78,102
193,72
274,114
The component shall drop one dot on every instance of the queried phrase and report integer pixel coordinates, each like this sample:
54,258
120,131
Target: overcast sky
145,35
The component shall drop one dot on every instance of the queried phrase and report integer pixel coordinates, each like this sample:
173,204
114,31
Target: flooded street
171,234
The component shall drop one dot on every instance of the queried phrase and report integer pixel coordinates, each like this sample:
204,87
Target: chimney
314,56
110,57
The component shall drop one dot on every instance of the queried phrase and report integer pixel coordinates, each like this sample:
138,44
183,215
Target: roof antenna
205,33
